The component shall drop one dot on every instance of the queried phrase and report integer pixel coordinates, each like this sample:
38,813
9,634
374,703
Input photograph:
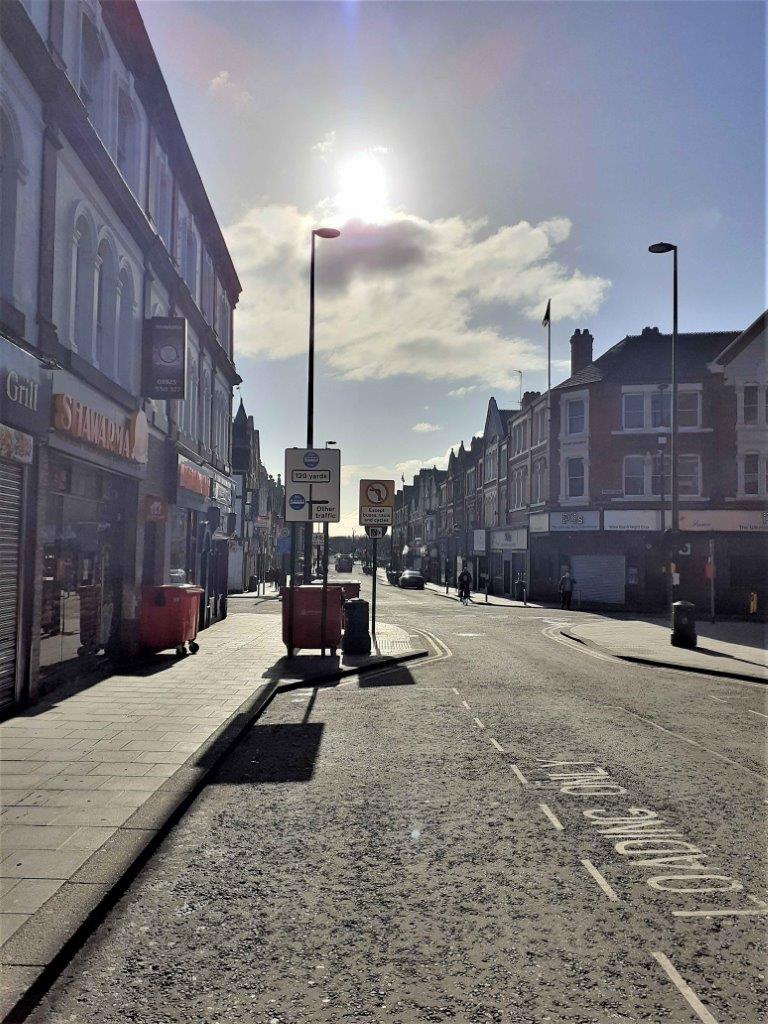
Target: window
634,474
127,150
634,411
125,345
190,260
83,268
661,409
503,461
689,409
576,416
750,403
207,297
106,308
751,473
162,198
538,492
689,475
539,428
91,67
661,478
575,473
9,176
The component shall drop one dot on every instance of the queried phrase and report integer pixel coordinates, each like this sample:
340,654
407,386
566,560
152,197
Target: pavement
478,597
731,649
91,777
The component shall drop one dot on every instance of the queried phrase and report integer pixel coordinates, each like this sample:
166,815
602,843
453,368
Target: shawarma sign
127,438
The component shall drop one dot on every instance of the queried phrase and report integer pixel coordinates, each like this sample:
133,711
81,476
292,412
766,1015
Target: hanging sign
164,357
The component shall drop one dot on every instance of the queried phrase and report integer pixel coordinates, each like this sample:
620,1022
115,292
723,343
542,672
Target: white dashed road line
684,988
466,705
498,746
609,892
553,818
756,713
718,699
521,778
478,723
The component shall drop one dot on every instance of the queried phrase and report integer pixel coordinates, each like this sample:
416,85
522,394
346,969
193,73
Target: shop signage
155,509
539,522
127,437
193,478
25,390
728,520
560,522
509,540
633,520
478,542
15,445
164,357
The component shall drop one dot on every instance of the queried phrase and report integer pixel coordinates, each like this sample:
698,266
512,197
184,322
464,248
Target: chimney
528,397
581,350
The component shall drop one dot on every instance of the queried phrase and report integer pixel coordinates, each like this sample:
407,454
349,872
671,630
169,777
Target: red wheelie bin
169,617
303,617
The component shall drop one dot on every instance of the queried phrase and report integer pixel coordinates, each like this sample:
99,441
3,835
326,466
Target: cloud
425,428
221,85
404,296
461,392
326,145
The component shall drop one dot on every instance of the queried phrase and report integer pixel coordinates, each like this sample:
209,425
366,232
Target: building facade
580,477
108,485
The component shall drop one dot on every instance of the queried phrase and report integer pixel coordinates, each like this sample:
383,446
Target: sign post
377,511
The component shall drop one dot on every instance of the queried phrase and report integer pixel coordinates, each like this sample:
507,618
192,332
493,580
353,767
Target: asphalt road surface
513,830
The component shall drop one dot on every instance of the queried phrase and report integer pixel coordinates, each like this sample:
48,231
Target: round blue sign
311,459
297,502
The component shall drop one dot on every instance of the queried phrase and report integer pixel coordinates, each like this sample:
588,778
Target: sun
362,189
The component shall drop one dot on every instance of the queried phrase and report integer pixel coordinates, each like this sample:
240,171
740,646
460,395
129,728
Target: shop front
730,548
480,559
97,456
509,552
25,402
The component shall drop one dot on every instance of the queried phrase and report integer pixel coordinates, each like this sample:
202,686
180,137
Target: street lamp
319,233
665,247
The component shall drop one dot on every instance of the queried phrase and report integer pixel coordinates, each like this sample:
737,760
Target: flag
547,318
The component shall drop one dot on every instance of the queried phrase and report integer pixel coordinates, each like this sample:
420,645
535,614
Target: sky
479,159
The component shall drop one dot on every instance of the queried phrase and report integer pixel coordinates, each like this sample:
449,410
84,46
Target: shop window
634,411
575,477
750,403
576,417
751,473
183,547
689,409
689,475
661,409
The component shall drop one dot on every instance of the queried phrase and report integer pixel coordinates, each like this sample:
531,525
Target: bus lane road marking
601,880
683,988
556,823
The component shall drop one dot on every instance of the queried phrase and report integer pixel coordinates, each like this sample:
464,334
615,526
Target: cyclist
464,585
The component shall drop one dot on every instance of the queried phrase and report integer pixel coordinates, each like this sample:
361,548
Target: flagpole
549,354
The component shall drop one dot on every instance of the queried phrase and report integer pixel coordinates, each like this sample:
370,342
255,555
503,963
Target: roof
740,342
644,358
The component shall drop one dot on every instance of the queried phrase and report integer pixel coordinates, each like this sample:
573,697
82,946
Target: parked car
344,563
411,580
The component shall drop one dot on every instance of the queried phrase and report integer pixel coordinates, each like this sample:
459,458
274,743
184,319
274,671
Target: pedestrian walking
566,585
464,584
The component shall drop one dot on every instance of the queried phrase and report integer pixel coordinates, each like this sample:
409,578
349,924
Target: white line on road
683,988
718,699
609,892
720,913
465,705
756,713
478,723
455,690
522,779
498,746
555,821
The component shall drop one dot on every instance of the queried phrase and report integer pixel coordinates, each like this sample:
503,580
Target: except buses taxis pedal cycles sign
377,502
312,485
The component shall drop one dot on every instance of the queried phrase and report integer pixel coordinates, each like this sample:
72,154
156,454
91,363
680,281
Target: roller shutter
600,578
10,556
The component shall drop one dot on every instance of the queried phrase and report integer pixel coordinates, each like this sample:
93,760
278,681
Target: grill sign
164,365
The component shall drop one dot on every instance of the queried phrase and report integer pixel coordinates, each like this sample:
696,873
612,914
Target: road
516,831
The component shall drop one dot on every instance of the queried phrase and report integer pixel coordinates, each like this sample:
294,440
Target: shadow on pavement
308,667
399,676
272,753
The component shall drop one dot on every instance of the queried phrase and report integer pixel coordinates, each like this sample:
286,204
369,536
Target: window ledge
660,431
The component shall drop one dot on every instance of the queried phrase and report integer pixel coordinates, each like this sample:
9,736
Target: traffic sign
377,502
376,532
312,482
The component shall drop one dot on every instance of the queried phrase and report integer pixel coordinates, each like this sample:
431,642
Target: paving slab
92,779
733,650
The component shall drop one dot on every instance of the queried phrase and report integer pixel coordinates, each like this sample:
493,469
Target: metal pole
673,418
310,406
712,578
373,595
324,609
289,590
549,351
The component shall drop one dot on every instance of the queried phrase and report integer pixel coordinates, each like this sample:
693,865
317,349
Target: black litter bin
357,639
683,624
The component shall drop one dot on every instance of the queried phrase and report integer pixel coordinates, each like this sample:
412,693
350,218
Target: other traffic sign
377,502
312,482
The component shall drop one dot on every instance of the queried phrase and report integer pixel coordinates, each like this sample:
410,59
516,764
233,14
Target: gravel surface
367,854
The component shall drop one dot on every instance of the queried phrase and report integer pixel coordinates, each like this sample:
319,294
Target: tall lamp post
319,233
664,247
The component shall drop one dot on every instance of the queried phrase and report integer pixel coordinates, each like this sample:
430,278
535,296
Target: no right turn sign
377,502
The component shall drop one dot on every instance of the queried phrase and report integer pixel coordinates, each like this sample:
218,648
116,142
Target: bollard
683,624
357,639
